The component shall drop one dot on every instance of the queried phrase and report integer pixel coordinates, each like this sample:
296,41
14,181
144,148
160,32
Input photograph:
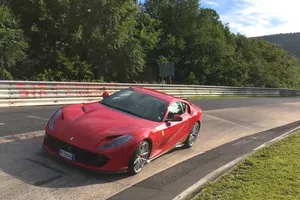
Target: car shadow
27,161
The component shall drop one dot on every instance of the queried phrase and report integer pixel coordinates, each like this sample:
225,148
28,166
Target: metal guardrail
33,93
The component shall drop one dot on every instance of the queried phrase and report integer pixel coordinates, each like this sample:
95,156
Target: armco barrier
31,93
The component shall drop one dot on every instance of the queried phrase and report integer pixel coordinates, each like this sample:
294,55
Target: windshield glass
137,104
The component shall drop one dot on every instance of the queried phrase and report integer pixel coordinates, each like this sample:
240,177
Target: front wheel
193,135
139,158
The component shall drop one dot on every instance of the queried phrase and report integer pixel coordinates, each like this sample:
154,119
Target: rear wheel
193,135
139,158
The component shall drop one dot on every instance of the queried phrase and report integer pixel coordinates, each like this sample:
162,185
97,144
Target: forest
287,41
123,41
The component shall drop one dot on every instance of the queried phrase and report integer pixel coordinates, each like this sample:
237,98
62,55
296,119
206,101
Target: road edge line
194,189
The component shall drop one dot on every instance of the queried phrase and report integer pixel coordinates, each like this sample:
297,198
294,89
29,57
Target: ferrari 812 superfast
124,131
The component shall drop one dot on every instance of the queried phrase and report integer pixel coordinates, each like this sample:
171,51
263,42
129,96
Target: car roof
156,93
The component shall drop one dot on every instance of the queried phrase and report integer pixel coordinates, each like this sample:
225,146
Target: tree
102,36
123,41
12,42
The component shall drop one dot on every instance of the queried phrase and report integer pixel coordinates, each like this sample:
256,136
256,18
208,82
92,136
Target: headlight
53,118
116,142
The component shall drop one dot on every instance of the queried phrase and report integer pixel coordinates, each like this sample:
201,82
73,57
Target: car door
188,125
174,130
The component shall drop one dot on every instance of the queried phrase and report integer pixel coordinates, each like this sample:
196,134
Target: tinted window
138,104
183,107
175,108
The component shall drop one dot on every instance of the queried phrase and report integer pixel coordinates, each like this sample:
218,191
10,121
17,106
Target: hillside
288,41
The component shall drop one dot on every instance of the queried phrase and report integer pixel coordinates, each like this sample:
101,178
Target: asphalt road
27,173
16,120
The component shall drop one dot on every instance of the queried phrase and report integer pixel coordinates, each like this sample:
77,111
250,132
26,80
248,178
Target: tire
193,135
140,156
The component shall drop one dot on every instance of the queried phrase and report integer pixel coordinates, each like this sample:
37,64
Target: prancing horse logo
71,138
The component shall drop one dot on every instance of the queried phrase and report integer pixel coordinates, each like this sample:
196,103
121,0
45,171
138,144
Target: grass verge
270,173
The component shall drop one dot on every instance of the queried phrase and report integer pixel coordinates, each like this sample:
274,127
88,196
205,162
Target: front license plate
66,154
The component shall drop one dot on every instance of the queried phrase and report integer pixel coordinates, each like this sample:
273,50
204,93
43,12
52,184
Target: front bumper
112,162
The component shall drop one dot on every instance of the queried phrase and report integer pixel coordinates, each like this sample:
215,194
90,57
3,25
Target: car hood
91,123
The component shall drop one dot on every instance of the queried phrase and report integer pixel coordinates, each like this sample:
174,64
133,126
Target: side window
184,107
175,108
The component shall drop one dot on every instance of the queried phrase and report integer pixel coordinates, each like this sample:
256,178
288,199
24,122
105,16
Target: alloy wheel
141,157
194,134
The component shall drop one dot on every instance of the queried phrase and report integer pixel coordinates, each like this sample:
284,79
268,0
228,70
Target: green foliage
123,41
192,79
68,69
12,42
287,41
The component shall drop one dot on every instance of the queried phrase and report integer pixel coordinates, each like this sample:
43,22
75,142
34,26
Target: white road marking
18,137
242,142
225,120
2,123
36,117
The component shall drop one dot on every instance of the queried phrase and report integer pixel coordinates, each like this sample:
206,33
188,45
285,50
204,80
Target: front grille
81,155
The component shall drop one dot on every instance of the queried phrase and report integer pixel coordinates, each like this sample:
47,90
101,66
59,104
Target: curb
193,190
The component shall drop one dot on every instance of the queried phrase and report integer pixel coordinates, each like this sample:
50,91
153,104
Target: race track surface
169,183
28,173
17,120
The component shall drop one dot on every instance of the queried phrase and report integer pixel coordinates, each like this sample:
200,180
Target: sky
257,17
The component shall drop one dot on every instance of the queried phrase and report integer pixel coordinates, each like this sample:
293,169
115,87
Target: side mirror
177,118
105,94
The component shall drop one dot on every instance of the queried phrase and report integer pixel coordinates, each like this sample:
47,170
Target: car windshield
137,104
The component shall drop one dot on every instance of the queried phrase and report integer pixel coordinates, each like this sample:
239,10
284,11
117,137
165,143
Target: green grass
271,173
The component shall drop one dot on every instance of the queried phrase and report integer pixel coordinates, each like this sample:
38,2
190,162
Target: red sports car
124,131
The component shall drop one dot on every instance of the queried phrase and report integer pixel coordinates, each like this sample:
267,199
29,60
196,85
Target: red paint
42,89
58,87
22,92
79,87
64,88
37,90
94,124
